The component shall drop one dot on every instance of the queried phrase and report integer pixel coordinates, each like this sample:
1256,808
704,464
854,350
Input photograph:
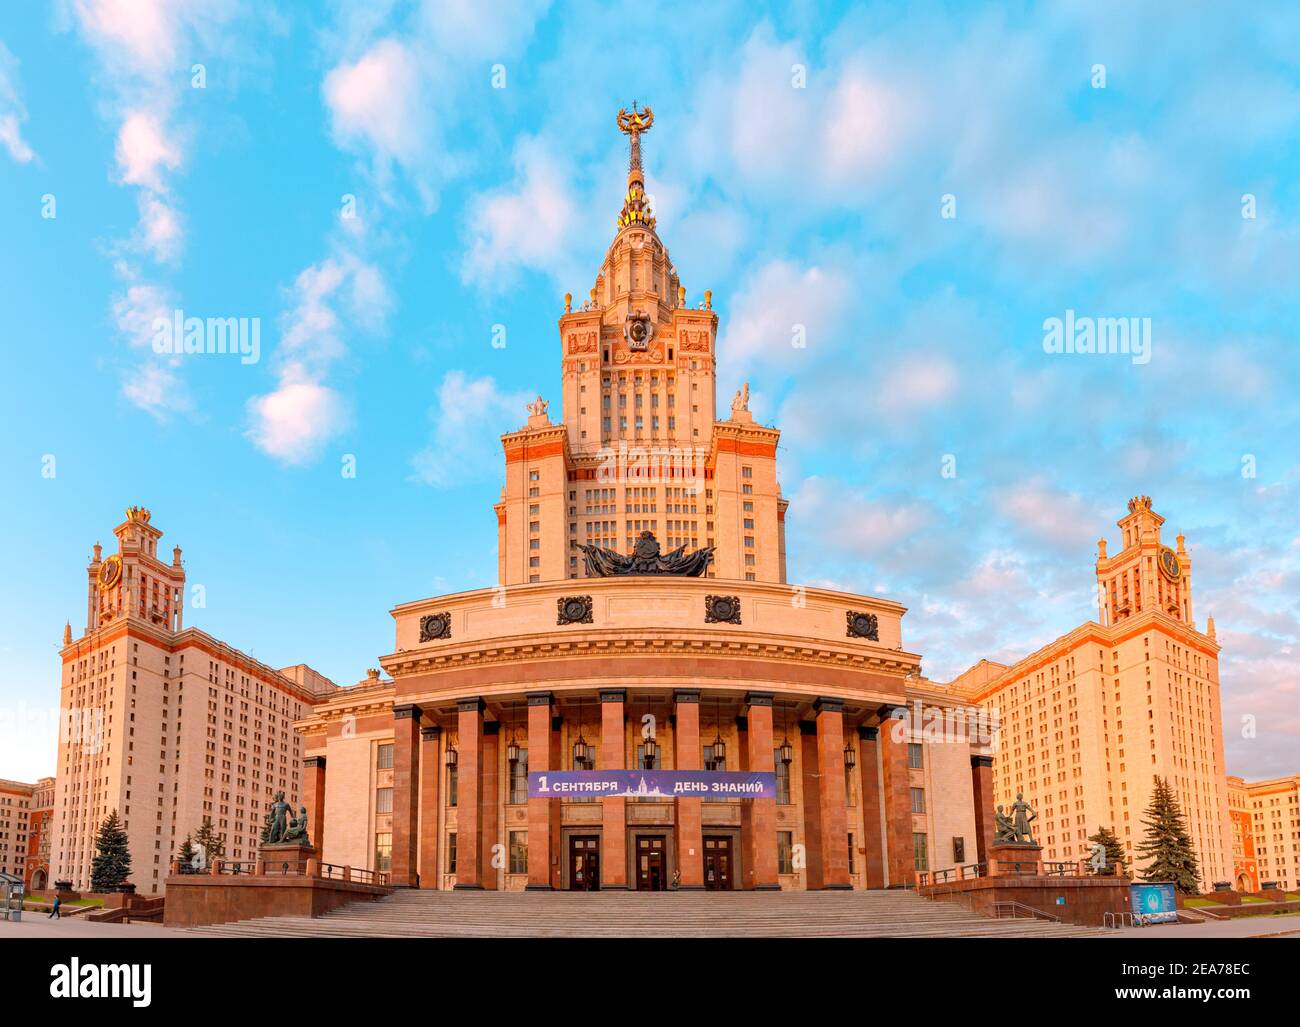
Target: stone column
313,797
832,803
491,803
810,805
981,774
762,834
430,805
469,787
543,814
689,815
872,835
613,814
406,795
900,861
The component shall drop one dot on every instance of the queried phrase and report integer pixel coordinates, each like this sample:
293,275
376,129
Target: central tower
639,446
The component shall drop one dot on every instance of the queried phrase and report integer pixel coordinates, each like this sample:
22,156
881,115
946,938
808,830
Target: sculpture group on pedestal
645,559
284,829
1014,829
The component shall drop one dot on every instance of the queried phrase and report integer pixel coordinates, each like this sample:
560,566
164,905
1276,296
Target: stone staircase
409,913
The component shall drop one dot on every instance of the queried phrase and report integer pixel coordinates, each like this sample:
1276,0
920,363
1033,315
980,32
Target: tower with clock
133,582
1146,574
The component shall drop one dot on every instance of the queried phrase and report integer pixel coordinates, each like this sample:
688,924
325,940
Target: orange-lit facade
1089,721
424,773
164,723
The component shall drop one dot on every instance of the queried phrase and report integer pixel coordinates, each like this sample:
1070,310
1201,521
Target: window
519,779
384,851
384,760
451,853
518,852
959,851
915,759
383,800
784,852
782,780
918,800
919,854
451,791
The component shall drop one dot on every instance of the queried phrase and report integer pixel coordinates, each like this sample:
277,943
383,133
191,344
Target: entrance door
718,863
584,862
651,863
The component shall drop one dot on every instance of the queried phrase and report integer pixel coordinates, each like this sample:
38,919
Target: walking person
54,913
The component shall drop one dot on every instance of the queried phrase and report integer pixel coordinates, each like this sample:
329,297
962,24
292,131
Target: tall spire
636,210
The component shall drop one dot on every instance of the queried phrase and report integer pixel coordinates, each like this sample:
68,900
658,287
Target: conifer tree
186,856
1167,844
213,845
111,867
1116,862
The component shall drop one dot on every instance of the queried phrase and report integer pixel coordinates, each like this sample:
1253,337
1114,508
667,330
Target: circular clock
110,571
574,609
1169,565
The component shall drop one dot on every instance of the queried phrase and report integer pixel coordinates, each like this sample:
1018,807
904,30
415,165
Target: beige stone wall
1275,826
15,816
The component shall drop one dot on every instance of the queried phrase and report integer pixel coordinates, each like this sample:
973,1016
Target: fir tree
213,845
111,867
1167,843
186,856
1116,862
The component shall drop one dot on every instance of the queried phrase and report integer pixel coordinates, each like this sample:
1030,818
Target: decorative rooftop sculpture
645,559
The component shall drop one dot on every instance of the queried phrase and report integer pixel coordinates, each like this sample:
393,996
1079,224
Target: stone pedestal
272,858
1010,859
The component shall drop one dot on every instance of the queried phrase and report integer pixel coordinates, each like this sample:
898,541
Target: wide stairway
411,913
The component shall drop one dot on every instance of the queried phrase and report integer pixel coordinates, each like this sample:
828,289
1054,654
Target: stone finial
593,297
1182,545
681,295
176,556
373,674
67,633
568,303
708,299
99,553
1101,549
1209,626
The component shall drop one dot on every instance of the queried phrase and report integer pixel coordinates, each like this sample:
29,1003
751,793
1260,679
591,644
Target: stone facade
1270,829
15,820
1089,721
164,723
424,773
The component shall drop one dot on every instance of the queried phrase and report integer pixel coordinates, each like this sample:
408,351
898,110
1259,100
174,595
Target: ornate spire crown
636,209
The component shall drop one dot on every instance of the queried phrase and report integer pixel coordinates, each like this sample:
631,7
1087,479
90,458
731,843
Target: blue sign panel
651,784
1153,903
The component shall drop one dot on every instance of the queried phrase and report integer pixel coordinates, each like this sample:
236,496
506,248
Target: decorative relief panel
434,626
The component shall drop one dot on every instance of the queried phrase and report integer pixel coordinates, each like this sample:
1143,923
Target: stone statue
741,400
279,820
1023,815
1006,829
645,559
538,407
298,830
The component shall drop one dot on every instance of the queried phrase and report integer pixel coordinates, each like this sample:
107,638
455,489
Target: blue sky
1097,159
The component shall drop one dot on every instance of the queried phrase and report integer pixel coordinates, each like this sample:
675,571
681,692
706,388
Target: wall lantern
850,756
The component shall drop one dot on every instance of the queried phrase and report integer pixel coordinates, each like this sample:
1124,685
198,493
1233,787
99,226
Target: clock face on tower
1169,565
109,572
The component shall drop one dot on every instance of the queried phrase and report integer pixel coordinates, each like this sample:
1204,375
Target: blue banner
651,784
1153,903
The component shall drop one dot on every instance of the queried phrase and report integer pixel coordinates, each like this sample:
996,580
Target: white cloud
376,100
144,149
12,111
529,225
294,422
136,310
156,389
160,228
781,304
467,417
1061,519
